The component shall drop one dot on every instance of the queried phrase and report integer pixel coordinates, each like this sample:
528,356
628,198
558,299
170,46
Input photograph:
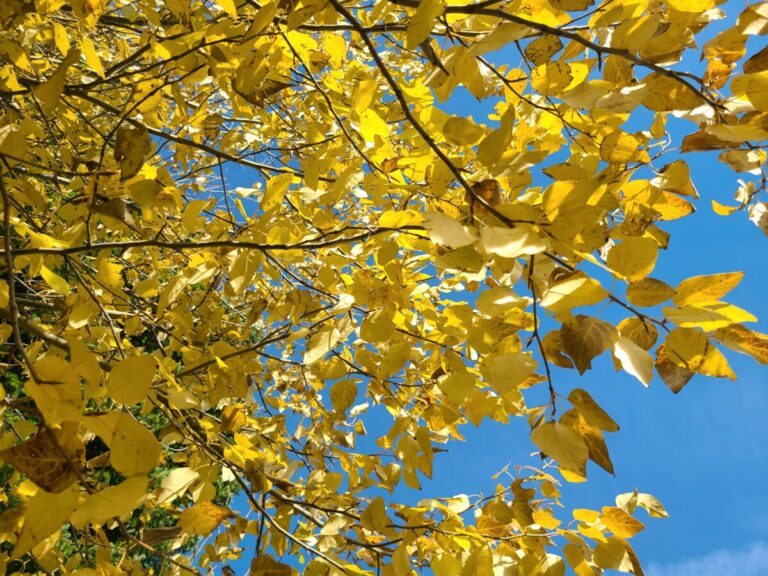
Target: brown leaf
587,338
51,459
673,375
489,190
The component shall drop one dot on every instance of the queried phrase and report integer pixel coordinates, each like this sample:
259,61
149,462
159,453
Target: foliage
171,339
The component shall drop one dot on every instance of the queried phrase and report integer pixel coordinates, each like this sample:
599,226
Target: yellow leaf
648,292
91,57
690,348
611,554
674,376
563,444
320,343
462,131
634,258
662,93
374,517
49,93
706,288
506,371
131,379
133,448
276,190
755,87
55,281
749,161
758,213
708,316
497,301
742,339
634,360
401,562
575,289
619,522
378,326
420,24
112,502
228,6
446,231
57,395
593,438
343,394
621,148
551,78
175,484
512,242
571,5
445,565
642,333
542,49
591,411
268,566
45,514
203,518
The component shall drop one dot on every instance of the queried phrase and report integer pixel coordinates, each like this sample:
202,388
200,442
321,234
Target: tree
171,338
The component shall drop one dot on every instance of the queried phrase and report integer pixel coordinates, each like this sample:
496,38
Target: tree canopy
249,249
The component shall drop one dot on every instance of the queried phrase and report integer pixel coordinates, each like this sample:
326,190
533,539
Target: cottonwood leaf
586,338
593,438
742,339
132,148
203,518
620,523
758,213
51,459
133,448
343,394
706,288
691,349
111,502
420,24
638,330
131,379
277,187
708,316
267,566
674,376
591,411
178,481
45,514
634,360
511,242
649,292
633,258
320,343
575,289
563,444
446,231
